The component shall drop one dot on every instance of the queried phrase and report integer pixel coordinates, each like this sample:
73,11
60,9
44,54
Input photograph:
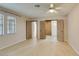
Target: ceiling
28,9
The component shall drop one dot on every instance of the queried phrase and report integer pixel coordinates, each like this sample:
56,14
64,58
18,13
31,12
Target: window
1,24
11,23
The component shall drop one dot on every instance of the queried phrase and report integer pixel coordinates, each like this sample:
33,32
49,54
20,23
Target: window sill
10,33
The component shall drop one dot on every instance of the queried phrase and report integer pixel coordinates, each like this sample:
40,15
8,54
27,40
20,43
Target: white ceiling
28,9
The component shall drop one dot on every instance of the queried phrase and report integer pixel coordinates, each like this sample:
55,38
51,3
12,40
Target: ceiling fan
53,8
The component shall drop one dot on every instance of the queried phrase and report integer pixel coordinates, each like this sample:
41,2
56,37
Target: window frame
2,24
8,19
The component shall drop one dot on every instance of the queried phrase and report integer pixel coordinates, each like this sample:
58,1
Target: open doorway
48,29
54,30
34,30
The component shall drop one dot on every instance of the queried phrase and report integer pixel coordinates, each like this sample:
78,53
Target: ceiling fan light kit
51,5
51,10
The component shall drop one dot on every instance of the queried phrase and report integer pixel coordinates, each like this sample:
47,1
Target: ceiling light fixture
51,10
51,5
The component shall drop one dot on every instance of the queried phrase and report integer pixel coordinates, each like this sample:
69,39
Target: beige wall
73,28
20,35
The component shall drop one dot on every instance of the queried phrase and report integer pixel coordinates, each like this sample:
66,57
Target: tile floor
42,47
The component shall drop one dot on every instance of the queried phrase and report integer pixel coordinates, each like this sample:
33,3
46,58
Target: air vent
37,6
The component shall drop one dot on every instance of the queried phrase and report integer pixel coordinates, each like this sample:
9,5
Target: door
42,30
48,27
28,30
60,30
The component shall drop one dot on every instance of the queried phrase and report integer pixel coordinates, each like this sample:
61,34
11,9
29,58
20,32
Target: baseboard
10,44
74,48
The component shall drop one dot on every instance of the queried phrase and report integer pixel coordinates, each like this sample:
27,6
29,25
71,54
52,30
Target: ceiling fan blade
52,9
58,8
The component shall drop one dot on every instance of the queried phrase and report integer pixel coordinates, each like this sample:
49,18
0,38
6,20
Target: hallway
46,47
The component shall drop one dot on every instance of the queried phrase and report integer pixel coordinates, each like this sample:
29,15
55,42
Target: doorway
48,29
28,30
60,30
54,30
42,30
34,30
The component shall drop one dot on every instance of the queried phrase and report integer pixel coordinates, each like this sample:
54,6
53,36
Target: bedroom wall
73,28
11,39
